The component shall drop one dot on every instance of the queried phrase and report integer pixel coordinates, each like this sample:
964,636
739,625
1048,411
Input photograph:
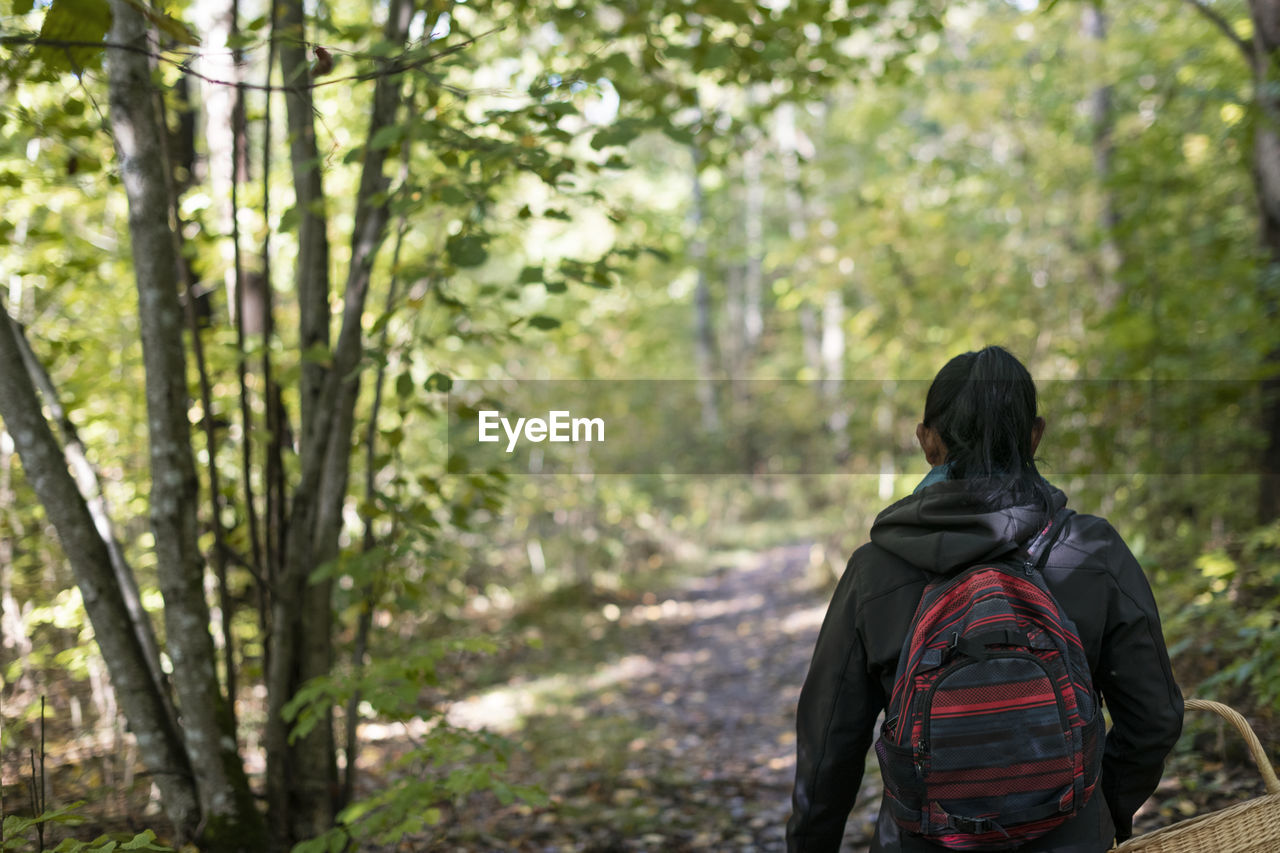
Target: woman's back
947,525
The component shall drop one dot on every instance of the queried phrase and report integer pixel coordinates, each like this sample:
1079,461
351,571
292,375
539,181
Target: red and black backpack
993,733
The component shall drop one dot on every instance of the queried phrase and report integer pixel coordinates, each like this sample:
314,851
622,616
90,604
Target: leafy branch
409,60
1215,18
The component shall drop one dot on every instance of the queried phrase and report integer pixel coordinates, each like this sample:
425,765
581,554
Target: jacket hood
946,527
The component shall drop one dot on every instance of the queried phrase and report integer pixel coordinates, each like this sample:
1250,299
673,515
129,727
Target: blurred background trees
260,252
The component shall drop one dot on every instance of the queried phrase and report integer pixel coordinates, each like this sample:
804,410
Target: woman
982,499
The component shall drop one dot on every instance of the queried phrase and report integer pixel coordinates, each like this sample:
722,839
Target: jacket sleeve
1136,682
834,724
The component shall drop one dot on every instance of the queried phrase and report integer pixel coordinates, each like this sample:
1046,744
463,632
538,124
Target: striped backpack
993,734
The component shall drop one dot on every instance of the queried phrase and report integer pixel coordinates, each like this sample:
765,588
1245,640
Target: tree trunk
229,820
1094,25
159,742
753,233
300,776
90,486
833,355
303,776
274,510
1266,172
704,331
312,275
15,644
791,141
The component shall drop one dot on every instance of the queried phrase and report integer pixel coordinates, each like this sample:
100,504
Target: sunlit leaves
541,321
619,133
385,137
77,24
467,250
438,382
165,23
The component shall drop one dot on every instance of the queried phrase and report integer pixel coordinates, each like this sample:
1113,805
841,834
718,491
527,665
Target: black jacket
942,529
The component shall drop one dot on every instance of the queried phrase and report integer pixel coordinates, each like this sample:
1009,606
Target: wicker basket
1249,827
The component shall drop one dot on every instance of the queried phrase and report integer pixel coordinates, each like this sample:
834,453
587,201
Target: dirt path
674,731
684,741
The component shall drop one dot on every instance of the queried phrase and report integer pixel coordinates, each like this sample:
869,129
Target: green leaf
15,825
167,24
678,134
560,108
618,134
289,218
717,55
240,40
22,7
142,841
313,845
438,382
531,275
542,321
467,250
450,194
318,353
404,385
457,464
620,63
385,137
74,21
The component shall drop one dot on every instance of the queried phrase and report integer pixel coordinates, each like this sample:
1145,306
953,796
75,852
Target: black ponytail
983,406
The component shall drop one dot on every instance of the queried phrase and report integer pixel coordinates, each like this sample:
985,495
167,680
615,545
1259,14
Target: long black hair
983,406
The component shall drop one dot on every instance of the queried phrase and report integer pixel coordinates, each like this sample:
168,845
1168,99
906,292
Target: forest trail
678,732
683,741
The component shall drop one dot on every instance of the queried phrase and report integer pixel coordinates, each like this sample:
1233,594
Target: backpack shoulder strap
1037,550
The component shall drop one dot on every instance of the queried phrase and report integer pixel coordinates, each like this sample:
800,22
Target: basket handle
1242,726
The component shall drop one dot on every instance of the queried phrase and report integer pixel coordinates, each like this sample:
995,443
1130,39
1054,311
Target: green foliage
445,765
1227,633
165,23
78,23
394,688
16,829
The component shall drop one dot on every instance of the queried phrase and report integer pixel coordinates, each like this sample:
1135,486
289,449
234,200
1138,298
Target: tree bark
299,776
1266,172
90,486
704,331
274,509
790,141
1099,105
312,273
753,199
229,820
833,355
1260,55
302,776
159,743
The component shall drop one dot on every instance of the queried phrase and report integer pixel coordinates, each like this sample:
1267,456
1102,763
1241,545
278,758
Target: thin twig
1214,17
394,66
44,794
